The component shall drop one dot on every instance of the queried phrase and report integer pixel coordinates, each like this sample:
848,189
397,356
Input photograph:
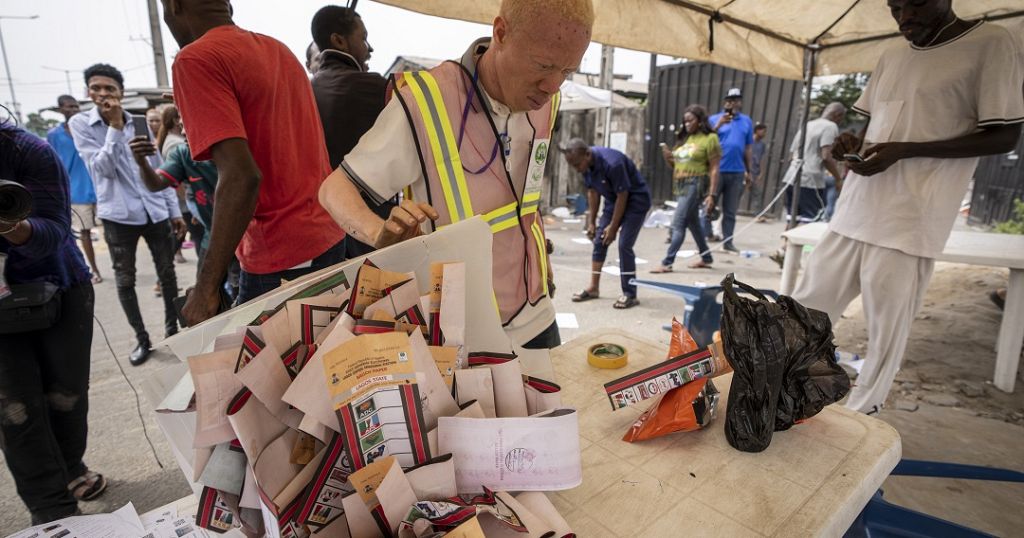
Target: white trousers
892,286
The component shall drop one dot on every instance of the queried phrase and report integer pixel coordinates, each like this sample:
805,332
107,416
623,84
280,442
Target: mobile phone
140,125
662,145
853,157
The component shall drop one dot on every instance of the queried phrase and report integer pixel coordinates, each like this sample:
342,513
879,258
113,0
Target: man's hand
404,223
608,236
723,120
845,143
590,230
879,158
199,307
179,227
142,147
112,112
747,180
709,203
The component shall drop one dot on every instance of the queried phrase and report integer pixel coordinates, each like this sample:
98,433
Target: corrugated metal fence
768,100
998,181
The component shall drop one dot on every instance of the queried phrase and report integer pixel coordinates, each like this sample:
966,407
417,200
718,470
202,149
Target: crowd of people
280,176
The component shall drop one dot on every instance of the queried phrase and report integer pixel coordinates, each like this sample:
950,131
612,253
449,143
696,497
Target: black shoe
170,331
729,247
140,353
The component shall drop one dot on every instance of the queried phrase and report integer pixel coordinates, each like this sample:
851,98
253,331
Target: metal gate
769,100
998,181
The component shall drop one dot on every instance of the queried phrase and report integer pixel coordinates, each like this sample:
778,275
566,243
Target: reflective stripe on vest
542,251
556,102
442,143
531,201
503,218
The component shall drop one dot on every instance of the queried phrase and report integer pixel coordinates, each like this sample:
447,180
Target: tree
39,125
846,90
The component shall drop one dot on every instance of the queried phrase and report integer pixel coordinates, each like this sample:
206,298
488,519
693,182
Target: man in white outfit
935,106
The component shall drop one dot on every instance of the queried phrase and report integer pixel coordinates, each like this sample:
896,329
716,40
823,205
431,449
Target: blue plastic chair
882,519
702,315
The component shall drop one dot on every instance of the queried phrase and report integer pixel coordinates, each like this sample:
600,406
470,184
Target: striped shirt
50,253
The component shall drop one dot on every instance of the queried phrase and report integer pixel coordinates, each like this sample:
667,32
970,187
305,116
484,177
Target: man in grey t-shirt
818,161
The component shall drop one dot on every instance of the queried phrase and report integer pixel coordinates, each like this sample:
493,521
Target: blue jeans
251,286
730,189
629,230
831,195
687,216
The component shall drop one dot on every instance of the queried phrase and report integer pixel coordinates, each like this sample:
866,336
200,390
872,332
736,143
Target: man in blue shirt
124,204
736,135
609,174
83,195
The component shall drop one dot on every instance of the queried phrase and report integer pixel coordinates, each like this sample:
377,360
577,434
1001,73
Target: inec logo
541,154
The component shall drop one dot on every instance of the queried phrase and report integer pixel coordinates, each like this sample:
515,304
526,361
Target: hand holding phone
853,158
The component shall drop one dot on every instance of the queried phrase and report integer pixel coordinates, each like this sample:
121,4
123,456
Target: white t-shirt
385,161
820,133
926,94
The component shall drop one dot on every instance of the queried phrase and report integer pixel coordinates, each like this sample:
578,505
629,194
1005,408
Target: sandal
700,265
662,269
584,295
625,302
88,486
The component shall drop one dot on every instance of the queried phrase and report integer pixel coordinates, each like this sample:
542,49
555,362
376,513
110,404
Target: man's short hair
525,11
760,126
835,107
65,98
104,70
332,20
576,145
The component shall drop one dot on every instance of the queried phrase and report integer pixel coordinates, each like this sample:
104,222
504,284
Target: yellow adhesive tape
609,356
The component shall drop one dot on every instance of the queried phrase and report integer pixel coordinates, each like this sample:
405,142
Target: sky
70,35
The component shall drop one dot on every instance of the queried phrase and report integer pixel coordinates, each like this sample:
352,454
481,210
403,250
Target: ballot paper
124,522
213,512
454,512
507,380
321,503
384,422
368,362
309,316
216,385
372,283
665,376
382,496
537,453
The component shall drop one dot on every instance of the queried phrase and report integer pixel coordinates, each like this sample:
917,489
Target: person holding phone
735,132
899,204
127,209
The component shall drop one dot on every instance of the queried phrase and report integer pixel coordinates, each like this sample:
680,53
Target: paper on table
538,453
475,385
470,410
213,376
665,376
123,522
308,392
226,469
267,377
507,380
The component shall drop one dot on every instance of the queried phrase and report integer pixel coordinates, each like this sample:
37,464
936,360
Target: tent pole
809,56
606,82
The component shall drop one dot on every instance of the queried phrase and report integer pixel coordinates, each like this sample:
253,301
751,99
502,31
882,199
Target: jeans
730,189
811,206
831,195
123,240
44,403
548,338
687,217
629,230
251,285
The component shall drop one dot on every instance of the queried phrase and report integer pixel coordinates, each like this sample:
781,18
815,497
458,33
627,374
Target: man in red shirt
249,107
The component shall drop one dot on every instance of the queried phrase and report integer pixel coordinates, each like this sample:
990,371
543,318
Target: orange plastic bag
686,408
682,409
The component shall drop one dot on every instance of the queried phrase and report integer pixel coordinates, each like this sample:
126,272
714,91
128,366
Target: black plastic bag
784,363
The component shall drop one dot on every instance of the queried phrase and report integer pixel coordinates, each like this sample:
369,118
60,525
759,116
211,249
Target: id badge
535,171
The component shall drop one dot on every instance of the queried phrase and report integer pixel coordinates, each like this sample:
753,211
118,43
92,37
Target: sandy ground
943,404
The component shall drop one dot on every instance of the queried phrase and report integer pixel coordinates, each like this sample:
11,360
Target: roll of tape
608,356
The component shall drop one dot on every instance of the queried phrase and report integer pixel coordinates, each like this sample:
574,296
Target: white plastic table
813,480
972,248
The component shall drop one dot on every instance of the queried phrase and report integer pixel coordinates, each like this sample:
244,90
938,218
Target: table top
812,480
974,248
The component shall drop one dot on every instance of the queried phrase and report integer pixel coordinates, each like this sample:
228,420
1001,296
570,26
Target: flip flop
662,269
700,265
88,486
584,295
625,302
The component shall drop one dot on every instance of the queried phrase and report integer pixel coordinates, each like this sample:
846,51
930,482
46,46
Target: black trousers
123,239
44,403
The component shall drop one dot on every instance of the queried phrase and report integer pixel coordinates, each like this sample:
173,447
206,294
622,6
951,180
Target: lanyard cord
462,129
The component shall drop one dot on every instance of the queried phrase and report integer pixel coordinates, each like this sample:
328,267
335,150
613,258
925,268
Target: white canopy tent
581,97
794,39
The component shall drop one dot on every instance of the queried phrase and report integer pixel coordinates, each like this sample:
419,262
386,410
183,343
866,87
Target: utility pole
157,41
7,64
607,75
67,77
